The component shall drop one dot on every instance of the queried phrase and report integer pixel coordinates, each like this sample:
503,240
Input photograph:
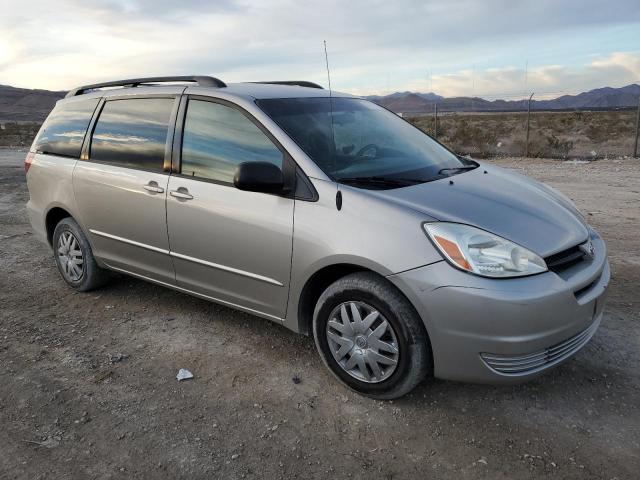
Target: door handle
153,187
181,193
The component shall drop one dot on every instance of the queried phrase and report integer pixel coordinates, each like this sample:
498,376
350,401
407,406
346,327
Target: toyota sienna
322,212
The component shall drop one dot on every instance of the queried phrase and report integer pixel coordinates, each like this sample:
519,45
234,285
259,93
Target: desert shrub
444,130
549,146
552,134
427,124
17,134
468,137
557,148
596,132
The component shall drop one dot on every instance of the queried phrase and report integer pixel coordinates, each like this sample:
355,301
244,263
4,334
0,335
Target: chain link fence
553,134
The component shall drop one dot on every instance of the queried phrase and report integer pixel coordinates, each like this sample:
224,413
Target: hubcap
70,257
362,341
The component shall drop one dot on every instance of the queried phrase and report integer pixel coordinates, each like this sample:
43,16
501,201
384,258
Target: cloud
374,46
550,81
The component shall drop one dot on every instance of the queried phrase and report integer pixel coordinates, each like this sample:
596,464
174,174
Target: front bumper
507,330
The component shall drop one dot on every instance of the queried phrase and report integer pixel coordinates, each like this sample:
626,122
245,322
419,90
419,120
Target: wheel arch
321,279
52,218
315,285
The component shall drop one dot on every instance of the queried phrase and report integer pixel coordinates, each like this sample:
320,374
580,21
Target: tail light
28,160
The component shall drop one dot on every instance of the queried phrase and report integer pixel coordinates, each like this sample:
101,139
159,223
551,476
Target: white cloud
374,46
617,69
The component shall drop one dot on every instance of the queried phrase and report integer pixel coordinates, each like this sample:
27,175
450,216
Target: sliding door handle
181,193
153,187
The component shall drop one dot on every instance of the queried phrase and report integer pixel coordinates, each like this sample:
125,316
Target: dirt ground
88,387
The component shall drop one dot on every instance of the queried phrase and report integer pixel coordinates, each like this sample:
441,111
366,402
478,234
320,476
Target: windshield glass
362,143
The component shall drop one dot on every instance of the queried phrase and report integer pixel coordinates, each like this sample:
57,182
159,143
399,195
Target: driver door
228,245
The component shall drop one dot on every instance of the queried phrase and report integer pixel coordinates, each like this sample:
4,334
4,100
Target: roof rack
202,81
299,83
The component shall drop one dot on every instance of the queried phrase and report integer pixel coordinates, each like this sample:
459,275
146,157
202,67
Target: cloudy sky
491,48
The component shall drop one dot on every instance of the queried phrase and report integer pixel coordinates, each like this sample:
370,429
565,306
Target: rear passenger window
64,129
217,138
132,133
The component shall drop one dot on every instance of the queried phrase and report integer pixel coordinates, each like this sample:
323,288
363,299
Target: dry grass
552,134
17,134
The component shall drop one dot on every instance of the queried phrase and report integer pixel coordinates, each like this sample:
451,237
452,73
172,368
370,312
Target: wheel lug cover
69,256
362,342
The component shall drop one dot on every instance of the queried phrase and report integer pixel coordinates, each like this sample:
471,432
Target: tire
370,293
68,238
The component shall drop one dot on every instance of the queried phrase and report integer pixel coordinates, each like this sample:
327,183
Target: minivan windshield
357,142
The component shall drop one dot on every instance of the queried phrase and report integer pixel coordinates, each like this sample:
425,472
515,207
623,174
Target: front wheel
370,336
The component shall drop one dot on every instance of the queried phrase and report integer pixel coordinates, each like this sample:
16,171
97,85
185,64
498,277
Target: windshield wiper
394,182
464,167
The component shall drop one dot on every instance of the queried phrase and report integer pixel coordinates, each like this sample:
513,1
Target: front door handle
153,187
181,193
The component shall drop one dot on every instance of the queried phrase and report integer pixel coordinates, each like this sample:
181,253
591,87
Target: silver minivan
325,213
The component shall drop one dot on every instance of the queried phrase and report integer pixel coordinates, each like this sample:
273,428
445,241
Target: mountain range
25,105
600,98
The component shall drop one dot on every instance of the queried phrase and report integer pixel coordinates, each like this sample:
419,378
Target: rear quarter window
65,128
132,133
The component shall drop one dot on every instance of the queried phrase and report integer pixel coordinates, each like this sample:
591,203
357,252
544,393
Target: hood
504,203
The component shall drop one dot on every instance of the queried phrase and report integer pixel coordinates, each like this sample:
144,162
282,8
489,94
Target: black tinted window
359,142
218,138
132,133
63,132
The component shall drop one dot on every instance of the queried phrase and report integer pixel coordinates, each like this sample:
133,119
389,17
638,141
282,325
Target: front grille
522,364
563,260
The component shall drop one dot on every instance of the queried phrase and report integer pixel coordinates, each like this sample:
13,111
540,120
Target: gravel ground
88,388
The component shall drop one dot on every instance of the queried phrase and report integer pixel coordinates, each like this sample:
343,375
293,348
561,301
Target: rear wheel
370,336
74,257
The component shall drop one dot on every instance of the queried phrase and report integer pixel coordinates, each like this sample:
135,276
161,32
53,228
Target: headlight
483,253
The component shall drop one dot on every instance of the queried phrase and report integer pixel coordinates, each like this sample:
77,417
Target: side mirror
259,177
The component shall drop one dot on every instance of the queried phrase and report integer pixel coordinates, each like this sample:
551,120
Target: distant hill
22,104
425,96
603,98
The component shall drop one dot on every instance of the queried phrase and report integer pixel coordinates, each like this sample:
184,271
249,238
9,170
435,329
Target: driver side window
217,138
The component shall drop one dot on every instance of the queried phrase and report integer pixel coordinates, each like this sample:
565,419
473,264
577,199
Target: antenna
526,74
326,61
333,137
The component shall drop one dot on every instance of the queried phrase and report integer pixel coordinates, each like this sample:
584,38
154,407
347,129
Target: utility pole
635,146
526,153
435,124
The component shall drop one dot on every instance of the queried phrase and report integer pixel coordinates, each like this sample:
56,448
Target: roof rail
202,81
299,83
